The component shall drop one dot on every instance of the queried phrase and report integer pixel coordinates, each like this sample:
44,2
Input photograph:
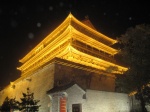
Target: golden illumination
132,93
76,56
58,31
94,43
68,43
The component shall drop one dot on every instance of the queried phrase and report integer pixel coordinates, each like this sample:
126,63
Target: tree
144,94
135,52
28,104
9,104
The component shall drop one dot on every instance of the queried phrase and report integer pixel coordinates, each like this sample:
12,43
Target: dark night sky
24,23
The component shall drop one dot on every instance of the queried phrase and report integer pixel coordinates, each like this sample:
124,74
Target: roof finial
86,17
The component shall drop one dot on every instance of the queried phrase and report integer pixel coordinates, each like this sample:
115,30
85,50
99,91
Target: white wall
96,101
100,101
75,96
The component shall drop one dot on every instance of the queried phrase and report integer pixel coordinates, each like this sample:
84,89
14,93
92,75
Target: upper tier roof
79,26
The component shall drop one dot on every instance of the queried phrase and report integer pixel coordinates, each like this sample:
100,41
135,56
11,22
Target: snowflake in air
30,35
50,8
130,18
38,24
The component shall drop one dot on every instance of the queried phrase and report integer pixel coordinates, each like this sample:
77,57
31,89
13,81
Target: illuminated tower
75,52
79,45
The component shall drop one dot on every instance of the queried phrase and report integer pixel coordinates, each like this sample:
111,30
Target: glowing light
60,28
61,43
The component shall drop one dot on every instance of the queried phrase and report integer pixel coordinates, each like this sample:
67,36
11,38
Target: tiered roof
77,42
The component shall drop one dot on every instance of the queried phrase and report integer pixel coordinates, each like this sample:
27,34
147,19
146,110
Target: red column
63,104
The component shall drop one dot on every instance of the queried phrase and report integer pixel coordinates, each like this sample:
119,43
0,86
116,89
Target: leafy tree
135,52
144,93
28,104
9,104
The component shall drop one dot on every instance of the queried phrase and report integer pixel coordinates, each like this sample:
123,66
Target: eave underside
64,62
70,53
